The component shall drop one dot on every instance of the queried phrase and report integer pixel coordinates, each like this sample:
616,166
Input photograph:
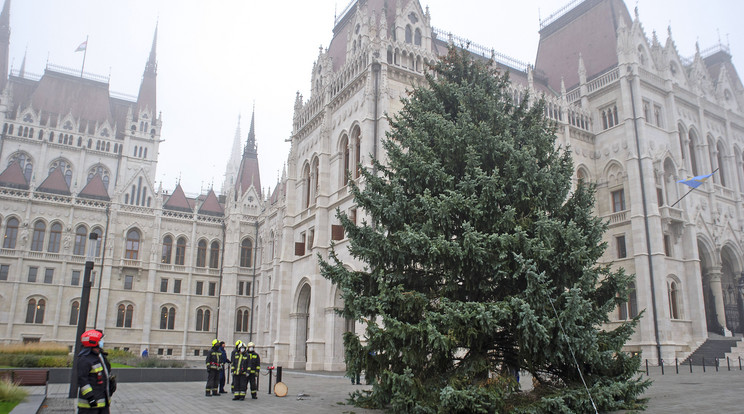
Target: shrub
10,392
54,361
38,348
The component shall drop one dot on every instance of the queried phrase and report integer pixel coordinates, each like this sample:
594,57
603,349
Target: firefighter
95,381
240,369
213,369
254,367
233,354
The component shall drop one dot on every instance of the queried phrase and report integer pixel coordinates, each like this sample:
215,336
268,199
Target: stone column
714,281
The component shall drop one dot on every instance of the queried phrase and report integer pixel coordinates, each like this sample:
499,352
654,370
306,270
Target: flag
696,182
82,46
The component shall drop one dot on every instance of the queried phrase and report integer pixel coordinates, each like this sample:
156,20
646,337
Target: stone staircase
717,346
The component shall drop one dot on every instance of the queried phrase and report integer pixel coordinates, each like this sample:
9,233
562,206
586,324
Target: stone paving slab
683,393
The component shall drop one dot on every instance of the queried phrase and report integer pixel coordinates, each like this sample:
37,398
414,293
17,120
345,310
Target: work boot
209,394
235,398
215,393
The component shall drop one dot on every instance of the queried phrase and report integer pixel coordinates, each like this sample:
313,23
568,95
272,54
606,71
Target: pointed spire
233,164
250,145
22,70
582,69
147,93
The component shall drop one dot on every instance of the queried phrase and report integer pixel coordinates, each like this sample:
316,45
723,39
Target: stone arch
669,178
302,319
710,271
731,269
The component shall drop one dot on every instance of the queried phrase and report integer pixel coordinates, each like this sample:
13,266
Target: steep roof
211,205
719,60
95,189
147,92
13,177
177,201
567,36
55,183
63,94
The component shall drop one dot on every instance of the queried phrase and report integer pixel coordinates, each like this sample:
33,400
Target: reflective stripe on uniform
86,389
96,368
84,404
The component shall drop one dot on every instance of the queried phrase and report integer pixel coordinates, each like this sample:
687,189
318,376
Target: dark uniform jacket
213,357
254,362
94,379
240,364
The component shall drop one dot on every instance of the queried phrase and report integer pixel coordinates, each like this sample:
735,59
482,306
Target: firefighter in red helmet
95,381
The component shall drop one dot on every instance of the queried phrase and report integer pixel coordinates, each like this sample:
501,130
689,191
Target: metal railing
482,50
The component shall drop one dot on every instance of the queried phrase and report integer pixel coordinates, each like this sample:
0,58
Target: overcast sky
217,58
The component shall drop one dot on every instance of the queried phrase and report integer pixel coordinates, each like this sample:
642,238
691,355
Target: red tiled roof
178,201
211,206
95,189
55,183
13,177
589,29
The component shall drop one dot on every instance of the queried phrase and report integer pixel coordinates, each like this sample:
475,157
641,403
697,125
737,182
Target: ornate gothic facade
173,272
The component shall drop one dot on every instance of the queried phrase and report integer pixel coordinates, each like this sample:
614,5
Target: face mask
100,343
242,349
250,349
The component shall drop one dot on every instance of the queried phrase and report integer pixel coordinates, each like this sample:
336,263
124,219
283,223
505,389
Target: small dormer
105,130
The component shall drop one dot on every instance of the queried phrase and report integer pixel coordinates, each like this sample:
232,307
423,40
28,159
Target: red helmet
91,338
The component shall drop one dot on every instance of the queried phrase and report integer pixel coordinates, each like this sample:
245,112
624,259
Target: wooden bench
28,377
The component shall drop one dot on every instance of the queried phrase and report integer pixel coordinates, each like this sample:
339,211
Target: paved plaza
316,392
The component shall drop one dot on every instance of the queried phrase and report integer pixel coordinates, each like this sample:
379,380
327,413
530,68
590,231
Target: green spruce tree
474,244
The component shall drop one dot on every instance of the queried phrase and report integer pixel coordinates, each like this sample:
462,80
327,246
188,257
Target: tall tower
248,174
233,164
146,99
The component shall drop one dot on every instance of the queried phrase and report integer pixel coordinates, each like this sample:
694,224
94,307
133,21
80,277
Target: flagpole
680,199
85,53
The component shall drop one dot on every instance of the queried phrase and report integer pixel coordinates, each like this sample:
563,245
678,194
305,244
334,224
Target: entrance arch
711,277
730,271
303,325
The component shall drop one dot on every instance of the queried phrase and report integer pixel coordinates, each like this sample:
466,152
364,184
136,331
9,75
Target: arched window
37,240
681,136
306,186
693,158
417,37
180,251
124,314
99,232
167,317
246,253
721,156
356,141
315,181
55,236
25,162
201,254
674,300
628,309
133,244
203,317
214,255
345,156
409,34
271,245
81,234
74,312
241,320
35,311
167,250
11,233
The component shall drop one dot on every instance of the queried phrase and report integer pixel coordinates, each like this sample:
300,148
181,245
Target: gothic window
620,247
345,159
681,136
713,159
609,116
674,296
721,157
124,314
658,116
100,170
693,157
628,308
37,240
306,186
99,232
356,141
618,200
35,311
417,37
105,132
80,142
203,317
214,255
241,320
647,111
271,245
201,254
11,233
167,250
246,253
180,251
28,118
74,312
167,317
55,236
315,179
67,126
132,246
409,34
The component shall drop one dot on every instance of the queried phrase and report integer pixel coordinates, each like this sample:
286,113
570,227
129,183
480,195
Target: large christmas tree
480,261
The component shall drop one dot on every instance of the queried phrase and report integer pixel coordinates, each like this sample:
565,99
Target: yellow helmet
251,344
238,343
215,342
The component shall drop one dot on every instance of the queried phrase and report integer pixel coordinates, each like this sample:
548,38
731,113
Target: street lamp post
83,313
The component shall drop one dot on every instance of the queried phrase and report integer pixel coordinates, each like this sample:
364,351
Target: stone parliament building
173,272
